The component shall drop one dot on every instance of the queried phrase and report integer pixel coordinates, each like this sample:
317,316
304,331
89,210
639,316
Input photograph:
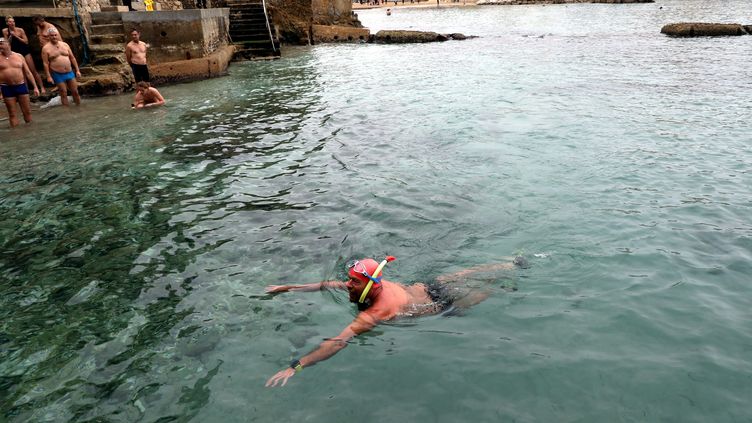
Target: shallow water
136,245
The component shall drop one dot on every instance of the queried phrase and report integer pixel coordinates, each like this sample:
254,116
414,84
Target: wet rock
201,341
699,29
300,337
400,36
105,84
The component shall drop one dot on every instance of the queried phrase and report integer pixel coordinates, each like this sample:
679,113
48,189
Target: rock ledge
699,29
401,36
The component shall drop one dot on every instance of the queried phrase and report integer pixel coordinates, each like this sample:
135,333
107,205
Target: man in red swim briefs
380,300
14,74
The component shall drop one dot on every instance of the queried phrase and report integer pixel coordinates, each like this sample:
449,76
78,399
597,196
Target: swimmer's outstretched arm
274,289
362,323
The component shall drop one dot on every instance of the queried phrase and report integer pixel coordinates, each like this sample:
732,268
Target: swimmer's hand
274,289
281,376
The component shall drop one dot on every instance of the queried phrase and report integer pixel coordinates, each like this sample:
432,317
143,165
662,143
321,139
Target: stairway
107,39
249,32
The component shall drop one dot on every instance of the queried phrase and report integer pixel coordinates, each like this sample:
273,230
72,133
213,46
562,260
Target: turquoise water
136,245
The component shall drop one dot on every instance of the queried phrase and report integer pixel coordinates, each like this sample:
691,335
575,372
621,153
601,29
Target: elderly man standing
14,73
61,67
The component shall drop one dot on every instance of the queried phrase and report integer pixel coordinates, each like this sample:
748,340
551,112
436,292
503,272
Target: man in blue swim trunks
61,67
14,74
380,300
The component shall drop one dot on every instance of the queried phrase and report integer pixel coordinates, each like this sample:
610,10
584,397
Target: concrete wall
180,34
63,19
84,6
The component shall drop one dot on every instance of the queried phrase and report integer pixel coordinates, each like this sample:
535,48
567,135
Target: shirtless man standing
381,300
135,54
14,73
60,64
19,43
42,28
146,96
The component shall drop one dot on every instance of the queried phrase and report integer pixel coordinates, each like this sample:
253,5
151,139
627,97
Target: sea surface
135,246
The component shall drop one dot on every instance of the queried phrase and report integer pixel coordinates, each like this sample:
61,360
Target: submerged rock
699,29
401,36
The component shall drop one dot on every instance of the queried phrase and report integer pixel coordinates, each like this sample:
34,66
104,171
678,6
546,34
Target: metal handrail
268,27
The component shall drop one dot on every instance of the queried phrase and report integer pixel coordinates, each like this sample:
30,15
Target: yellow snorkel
375,277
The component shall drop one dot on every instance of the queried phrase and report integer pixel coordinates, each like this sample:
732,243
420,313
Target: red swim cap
370,266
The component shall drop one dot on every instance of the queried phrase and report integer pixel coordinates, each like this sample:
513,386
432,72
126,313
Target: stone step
255,17
108,39
114,59
247,22
250,34
103,18
248,7
102,48
113,8
254,44
107,29
260,36
256,54
251,26
247,12
250,37
243,3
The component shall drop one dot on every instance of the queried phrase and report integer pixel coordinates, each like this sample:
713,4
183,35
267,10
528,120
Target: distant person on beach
19,43
146,96
14,76
135,54
379,300
61,67
43,28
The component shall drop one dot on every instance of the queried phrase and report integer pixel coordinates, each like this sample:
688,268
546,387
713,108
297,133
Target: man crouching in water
14,73
146,96
381,300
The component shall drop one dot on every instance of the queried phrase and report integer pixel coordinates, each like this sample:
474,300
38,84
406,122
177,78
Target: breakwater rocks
399,37
521,2
699,29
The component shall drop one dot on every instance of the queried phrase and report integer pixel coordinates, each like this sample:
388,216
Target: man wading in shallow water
381,300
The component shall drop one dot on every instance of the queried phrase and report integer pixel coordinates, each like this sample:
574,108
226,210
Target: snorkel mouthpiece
375,277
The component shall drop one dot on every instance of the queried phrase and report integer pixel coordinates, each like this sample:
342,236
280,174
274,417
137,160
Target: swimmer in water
380,300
